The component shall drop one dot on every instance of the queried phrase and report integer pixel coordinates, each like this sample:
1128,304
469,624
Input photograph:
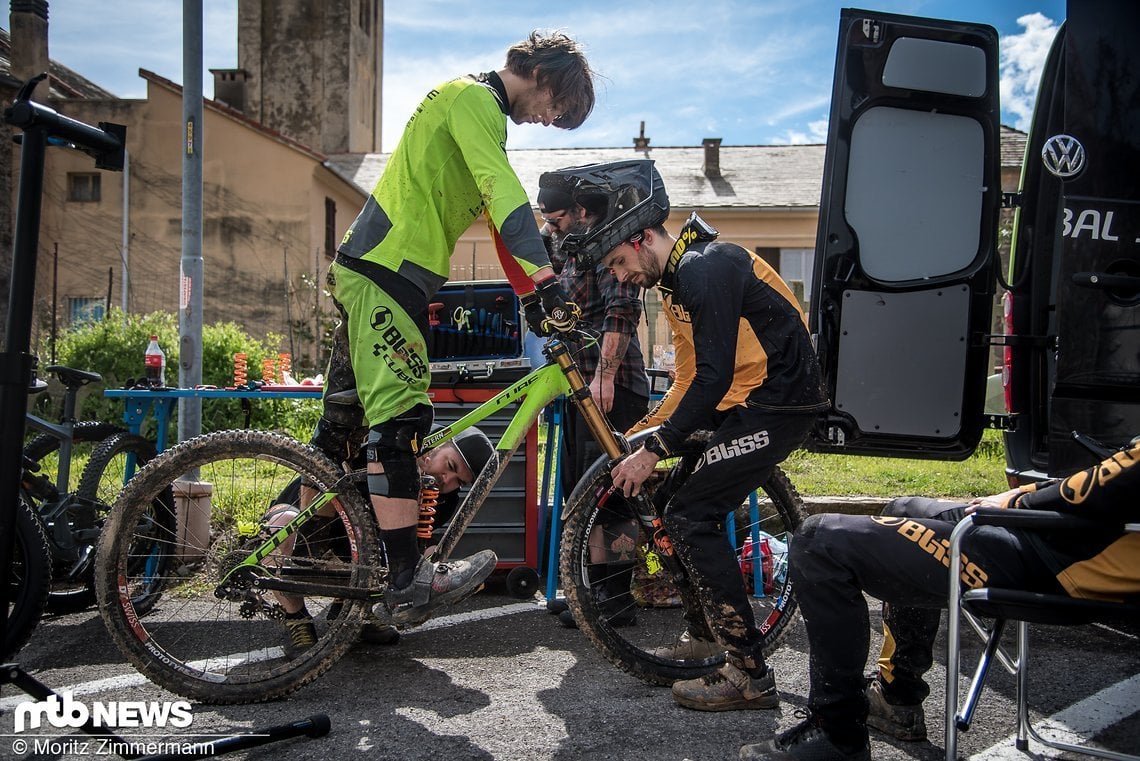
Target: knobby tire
231,649
655,596
29,581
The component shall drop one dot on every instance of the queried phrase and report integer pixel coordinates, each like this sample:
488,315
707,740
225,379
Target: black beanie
552,199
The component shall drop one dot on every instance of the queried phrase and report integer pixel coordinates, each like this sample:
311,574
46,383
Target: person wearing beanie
613,367
452,465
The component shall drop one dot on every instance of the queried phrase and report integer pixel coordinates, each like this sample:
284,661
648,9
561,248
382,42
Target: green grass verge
845,475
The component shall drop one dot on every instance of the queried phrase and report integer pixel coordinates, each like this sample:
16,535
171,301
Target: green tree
114,348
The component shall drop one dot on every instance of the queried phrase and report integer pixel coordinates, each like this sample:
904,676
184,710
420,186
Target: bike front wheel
29,579
219,633
634,611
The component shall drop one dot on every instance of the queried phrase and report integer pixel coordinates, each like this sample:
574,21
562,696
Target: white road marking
135,679
1076,723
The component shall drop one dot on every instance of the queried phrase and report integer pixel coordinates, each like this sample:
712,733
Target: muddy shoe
906,723
375,633
689,648
729,688
433,585
806,741
302,633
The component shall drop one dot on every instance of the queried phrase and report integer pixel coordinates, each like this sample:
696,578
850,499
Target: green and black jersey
449,167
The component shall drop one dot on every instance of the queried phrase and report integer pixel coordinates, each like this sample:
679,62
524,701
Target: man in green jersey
449,166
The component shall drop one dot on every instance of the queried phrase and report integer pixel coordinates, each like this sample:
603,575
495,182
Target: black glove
534,313
561,315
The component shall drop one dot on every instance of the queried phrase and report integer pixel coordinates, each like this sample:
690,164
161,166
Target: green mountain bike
218,635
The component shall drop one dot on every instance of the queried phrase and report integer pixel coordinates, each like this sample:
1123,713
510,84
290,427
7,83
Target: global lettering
1090,223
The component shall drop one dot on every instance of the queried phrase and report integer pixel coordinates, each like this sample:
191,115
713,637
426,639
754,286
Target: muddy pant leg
339,428
738,458
908,651
903,561
909,632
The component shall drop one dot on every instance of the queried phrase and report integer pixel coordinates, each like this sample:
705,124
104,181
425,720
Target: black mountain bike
71,504
218,635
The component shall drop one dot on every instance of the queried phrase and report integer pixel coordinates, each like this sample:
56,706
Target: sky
752,72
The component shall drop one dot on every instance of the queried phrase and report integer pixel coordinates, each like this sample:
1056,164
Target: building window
366,16
83,186
330,228
82,310
796,267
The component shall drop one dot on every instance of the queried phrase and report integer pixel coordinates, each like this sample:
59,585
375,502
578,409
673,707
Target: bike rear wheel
227,643
111,464
655,595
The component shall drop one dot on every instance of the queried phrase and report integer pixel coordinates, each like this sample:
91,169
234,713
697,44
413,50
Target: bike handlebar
104,143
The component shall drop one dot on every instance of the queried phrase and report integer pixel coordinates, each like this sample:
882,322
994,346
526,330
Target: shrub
114,348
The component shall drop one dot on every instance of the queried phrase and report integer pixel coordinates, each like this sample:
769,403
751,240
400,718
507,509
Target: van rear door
906,246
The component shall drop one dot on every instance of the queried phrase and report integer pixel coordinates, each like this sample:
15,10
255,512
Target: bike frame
62,431
532,393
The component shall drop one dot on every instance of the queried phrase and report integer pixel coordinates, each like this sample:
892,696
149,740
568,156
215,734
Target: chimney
28,24
641,142
229,87
712,157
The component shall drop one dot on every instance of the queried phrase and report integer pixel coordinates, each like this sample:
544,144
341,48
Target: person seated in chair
901,557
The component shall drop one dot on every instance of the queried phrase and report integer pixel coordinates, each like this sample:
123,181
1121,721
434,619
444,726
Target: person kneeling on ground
834,559
452,465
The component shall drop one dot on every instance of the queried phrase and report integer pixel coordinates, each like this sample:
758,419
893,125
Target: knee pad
395,444
333,439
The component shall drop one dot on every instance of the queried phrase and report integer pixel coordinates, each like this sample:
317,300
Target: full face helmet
621,199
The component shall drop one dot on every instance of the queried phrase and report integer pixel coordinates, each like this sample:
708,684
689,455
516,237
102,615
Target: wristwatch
656,445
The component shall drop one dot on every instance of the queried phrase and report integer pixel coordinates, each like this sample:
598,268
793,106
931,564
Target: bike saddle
73,378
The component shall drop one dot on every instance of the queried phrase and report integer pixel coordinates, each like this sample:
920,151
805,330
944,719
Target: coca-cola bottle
155,364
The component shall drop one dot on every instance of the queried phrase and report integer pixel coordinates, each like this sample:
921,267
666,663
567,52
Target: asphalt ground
499,678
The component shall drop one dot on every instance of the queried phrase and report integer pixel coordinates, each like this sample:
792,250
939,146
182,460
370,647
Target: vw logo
1063,156
381,316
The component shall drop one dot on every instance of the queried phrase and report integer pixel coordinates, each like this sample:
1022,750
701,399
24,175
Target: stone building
291,151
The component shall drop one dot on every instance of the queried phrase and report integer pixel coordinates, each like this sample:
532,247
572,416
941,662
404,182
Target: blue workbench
140,402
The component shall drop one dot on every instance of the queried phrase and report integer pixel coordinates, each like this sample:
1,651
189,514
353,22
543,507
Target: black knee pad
395,444
334,439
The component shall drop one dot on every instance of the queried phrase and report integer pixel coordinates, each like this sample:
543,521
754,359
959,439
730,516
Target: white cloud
1022,59
816,133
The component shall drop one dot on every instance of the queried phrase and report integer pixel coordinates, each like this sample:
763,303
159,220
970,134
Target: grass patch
845,475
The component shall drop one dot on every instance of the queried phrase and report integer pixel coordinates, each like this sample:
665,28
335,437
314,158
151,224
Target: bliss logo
729,449
64,712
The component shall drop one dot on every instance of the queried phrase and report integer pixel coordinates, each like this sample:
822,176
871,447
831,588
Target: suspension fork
615,447
580,395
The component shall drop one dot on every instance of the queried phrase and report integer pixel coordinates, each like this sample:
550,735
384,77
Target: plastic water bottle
155,364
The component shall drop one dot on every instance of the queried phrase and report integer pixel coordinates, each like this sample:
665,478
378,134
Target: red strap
520,281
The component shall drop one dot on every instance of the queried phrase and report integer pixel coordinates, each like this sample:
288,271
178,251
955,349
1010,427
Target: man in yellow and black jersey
746,370
901,557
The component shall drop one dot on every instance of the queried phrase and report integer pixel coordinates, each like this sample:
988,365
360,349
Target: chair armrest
1033,520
